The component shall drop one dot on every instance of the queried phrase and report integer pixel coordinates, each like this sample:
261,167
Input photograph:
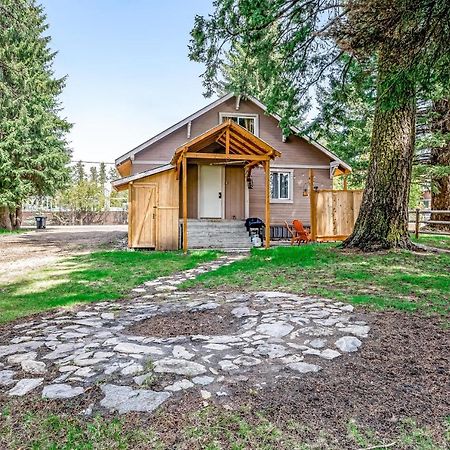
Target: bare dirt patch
25,252
210,322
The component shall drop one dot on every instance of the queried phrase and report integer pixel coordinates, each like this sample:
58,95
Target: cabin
194,184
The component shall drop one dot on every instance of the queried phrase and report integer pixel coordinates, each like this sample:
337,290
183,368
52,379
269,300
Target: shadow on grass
94,277
394,279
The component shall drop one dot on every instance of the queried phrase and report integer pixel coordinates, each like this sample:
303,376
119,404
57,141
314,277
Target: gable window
247,121
281,186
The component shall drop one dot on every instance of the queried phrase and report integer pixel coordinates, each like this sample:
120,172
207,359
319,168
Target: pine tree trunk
382,222
440,193
5,220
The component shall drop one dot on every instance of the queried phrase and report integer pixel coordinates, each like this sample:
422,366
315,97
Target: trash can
41,222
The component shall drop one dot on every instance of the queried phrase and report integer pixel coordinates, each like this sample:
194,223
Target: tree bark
5,220
382,222
440,186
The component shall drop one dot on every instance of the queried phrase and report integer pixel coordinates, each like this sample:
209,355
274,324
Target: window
248,121
281,186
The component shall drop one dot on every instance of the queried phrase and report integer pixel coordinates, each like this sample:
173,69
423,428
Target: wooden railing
419,218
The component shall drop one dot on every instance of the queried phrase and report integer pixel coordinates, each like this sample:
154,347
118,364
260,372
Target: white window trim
291,186
244,115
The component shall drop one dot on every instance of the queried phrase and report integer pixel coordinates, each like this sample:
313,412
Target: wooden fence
333,213
423,217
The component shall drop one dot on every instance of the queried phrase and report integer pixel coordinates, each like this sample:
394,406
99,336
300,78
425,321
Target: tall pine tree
33,148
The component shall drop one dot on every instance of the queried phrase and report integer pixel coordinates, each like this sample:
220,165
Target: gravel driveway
22,253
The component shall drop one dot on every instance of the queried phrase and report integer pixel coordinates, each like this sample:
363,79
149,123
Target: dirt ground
25,252
401,372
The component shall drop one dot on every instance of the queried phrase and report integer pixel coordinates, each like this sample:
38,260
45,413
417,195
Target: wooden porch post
131,211
313,206
267,220
184,180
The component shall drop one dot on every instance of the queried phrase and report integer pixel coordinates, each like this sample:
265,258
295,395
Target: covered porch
213,170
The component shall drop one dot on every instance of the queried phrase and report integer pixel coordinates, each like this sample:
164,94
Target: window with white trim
247,121
281,186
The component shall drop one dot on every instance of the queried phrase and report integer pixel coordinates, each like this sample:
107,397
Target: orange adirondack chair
298,232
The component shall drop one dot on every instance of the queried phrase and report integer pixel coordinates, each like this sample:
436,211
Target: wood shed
153,208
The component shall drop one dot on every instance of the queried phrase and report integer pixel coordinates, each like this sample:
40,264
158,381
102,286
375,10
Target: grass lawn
433,240
97,276
209,428
395,279
20,230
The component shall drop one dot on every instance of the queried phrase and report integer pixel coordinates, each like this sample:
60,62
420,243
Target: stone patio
279,335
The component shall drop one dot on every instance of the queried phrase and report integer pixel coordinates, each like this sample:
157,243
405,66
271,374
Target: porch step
218,234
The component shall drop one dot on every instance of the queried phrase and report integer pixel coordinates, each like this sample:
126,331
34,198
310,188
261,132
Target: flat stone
128,347
216,346
205,394
179,366
329,354
247,361
62,350
57,391
17,359
132,369
125,399
24,386
224,339
228,366
318,343
276,329
348,344
179,386
6,377
33,367
303,367
107,316
357,330
244,311
203,380
347,308
272,350
179,351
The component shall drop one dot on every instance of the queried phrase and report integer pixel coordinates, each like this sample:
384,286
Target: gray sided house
195,183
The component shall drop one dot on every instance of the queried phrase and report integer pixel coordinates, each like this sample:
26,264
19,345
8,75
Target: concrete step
218,234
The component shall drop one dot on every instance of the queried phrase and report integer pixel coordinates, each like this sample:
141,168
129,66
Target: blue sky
129,75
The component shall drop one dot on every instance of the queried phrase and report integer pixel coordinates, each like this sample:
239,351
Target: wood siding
295,151
234,193
162,219
299,208
336,213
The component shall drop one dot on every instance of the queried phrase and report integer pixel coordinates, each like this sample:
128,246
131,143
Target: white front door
210,192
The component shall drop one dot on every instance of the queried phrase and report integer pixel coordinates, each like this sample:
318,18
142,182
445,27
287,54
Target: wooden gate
335,213
142,217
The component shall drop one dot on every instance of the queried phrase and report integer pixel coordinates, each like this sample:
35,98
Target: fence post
417,222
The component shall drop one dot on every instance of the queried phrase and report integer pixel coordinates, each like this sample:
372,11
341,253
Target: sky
129,75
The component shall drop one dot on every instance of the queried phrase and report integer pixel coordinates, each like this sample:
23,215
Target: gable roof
125,180
212,105
236,142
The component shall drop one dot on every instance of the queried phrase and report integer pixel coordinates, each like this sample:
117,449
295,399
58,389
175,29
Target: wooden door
234,193
143,215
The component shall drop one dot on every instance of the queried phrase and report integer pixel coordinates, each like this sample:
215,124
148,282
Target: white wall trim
207,108
234,114
291,185
143,161
300,166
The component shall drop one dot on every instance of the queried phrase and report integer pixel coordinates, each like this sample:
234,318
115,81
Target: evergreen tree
79,174
410,43
94,174
102,176
33,150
